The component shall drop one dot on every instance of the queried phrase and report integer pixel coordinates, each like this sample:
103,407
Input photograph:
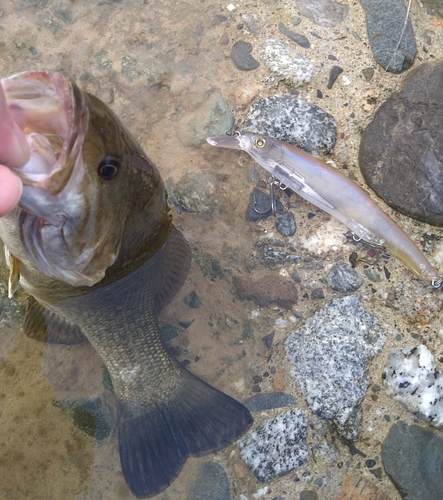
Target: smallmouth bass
93,244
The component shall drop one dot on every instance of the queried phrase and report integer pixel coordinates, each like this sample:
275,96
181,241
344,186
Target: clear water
153,62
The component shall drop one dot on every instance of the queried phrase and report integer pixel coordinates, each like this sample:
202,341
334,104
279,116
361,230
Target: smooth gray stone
211,483
241,56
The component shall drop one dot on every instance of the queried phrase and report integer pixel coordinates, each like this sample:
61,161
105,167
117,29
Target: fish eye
260,142
108,168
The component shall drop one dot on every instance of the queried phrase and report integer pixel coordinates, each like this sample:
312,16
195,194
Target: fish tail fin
154,444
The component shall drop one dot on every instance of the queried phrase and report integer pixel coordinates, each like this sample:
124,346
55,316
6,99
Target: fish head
86,180
261,147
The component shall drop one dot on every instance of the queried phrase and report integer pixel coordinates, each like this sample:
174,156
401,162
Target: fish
332,191
93,244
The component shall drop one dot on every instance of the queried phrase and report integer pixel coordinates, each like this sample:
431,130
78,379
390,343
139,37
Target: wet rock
343,278
208,265
193,193
211,482
259,206
323,12
193,300
269,401
268,339
317,293
285,224
295,121
267,290
401,151
329,355
295,37
168,332
212,117
286,64
413,458
381,14
334,73
241,56
412,378
271,257
367,73
357,487
276,446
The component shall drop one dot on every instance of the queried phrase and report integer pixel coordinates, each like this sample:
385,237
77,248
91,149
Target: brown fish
93,244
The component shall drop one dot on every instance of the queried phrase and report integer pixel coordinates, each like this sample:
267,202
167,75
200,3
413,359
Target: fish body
333,192
93,244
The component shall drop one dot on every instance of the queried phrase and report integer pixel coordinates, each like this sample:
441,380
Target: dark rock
334,73
259,206
385,20
274,258
268,401
218,19
186,324
89,417
370,463
367,73
211,482
317,293
268,339
208,265
295,37
241,56
168,332
323,12
372,275
293,120
193,300
295,20
377,472
267,290
285,224
401,151
308,495
343,278
353,450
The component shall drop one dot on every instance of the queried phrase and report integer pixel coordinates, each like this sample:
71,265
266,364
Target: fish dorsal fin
45,326
14,272
173,268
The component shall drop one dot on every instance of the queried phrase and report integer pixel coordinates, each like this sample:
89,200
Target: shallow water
153,62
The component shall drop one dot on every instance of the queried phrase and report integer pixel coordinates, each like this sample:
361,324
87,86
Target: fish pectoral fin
45,326
196,420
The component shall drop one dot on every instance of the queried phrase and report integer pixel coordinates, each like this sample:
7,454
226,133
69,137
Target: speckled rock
411,377
413,458
268,401
295,121
401,151
241,56
328,357
381,14
285,224
276,446
267,290
273,256
323,12
343,278
285,64
211,482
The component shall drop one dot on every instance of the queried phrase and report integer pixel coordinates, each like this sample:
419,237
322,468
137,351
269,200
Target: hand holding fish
14,152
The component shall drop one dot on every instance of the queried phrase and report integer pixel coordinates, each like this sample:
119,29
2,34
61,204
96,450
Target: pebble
268,339
273,258
329,356
211,482
285,224
317,293
343,278
385,20
267,290
413,458
168,332
367,73
357,487
212,117
435,5
323,12
413,379
285,63
241,56
295,121
252,22
193,193
334,73
192,300
259,206
276,446
308,495
295,37
269,401
406,135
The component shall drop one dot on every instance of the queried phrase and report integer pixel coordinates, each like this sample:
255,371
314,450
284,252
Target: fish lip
225,141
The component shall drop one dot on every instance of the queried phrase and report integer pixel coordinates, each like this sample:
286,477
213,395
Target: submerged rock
241,56
211,482
343,278
323,12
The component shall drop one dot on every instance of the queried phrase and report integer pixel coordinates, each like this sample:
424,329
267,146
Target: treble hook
272,181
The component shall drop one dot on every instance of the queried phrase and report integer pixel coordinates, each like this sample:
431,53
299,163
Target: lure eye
108,168
260,142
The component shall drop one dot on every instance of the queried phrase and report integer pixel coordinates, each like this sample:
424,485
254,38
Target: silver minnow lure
333,192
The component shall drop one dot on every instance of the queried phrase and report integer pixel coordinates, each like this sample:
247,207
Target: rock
295,121
259,206
328,356
381,14
317,293
193,300
343,278
211,482
276,446
401,151
168,332
334,73
308,495
295,37
267,290
323,12
193,193
241,56
285,224
268,339
268,401
286,64
413,458
412,378
434,5
212,117
273,258
252,22
356,487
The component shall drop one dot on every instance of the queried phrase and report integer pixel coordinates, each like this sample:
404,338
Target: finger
10,190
